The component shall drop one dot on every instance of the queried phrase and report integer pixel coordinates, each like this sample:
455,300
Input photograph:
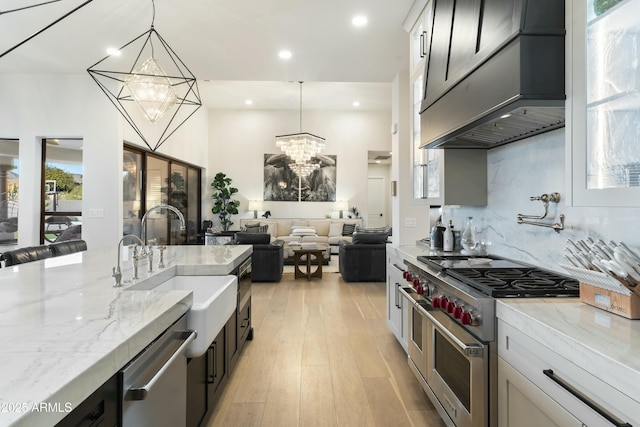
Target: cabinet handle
396,295
211,375
423,44
244,323
584,399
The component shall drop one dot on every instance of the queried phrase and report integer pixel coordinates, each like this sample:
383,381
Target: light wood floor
322,355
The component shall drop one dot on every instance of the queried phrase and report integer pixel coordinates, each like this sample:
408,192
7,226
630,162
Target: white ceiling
231,46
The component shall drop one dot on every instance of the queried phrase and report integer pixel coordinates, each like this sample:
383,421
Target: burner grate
516,282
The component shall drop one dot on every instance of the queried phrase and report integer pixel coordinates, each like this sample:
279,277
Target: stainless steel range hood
511,93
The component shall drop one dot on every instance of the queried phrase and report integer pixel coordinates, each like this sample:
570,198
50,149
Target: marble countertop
65,329
599,342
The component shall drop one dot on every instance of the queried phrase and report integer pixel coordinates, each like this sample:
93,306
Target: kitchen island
65,329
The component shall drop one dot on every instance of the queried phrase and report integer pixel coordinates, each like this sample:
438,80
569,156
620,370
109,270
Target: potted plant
223,205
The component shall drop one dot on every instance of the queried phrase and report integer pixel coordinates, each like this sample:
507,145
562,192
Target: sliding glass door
149,180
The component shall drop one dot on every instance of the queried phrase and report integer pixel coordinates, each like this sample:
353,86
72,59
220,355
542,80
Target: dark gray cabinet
99,409
216,364
196,390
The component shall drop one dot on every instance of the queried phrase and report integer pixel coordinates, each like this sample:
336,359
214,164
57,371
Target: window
150,179
62,172
9,175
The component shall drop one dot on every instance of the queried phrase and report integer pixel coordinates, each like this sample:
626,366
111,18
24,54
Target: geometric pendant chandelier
301,147
147,81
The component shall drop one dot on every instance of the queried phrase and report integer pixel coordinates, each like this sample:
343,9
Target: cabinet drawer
565,382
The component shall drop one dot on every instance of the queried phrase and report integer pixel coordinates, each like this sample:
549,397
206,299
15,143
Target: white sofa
328,231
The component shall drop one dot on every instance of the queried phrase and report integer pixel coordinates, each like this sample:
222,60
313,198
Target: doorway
61,199
376,201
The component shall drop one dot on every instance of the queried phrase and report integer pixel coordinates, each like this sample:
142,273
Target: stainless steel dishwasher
154,384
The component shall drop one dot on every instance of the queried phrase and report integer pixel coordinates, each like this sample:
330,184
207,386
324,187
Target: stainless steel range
452,333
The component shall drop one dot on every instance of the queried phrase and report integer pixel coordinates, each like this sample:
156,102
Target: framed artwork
283,183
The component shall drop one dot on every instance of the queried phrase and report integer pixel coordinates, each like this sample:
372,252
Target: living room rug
331,268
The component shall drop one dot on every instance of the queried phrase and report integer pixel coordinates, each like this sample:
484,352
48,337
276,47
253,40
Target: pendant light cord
153,16
300,106
153,20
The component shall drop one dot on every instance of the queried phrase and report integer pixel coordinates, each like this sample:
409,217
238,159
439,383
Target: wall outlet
96,213
409,222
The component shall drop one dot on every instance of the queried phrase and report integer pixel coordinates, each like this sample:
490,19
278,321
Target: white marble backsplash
531,168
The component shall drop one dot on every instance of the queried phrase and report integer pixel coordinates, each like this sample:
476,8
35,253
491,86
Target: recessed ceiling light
113,51
359,21
356,103
377,161
285,54
248,102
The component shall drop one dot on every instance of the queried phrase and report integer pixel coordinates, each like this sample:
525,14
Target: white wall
410,218
238,140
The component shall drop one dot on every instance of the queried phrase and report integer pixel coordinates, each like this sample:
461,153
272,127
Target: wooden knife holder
613,302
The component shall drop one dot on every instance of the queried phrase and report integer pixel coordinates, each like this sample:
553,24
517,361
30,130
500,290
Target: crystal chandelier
304,169
300,147
151,89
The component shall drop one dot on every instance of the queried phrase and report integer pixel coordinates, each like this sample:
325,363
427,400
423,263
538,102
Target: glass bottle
468,239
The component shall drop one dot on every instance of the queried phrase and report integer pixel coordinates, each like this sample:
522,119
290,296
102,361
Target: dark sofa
267,259
35,253
365,259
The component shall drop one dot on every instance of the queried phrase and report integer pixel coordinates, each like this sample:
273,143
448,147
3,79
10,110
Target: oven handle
468,350
591,404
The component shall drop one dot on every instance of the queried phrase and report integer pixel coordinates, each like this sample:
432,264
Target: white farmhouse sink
214,300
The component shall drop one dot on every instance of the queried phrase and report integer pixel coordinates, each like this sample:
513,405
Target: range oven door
418,340
458,371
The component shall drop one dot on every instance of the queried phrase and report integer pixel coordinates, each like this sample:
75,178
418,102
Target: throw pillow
369,238
348,229
249,226
335,229
259,229
303,231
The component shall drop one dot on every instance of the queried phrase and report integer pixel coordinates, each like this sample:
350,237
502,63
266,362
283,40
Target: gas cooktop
501,278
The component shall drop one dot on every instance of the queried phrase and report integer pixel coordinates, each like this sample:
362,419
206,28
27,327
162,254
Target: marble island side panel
65,329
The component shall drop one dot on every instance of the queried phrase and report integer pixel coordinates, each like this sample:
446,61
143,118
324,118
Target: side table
311,253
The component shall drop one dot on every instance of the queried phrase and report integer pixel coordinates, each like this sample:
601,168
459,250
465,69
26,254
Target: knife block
613,302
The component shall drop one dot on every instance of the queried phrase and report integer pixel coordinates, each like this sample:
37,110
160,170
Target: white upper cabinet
426,185
419,38
603,105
